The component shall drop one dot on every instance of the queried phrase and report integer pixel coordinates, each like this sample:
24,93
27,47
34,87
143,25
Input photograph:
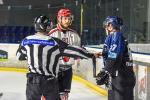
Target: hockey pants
40,85
122,88
65,80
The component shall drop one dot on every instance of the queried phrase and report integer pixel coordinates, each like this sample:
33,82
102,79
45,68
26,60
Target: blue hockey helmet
114,20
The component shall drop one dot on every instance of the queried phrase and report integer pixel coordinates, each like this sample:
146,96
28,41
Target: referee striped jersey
43,53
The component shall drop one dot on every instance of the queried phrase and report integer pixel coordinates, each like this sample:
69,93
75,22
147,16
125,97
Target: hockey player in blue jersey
118,72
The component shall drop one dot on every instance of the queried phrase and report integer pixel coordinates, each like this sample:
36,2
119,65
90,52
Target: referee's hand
98,54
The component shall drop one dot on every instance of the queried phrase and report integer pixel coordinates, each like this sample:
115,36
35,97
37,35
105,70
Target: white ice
13,84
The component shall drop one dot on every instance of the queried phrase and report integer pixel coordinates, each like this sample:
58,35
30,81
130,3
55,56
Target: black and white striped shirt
43,53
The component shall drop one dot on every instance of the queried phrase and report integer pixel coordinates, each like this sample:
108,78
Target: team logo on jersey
112,55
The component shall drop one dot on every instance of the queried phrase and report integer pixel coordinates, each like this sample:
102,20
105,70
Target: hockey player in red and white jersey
65,33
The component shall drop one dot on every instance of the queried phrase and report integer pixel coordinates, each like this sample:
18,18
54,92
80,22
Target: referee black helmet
42,24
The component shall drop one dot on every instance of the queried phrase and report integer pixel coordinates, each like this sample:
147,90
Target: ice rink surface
12,85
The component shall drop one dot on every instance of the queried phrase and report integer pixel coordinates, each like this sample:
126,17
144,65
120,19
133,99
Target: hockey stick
1,94
94,66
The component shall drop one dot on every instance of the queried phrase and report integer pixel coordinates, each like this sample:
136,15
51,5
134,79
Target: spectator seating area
14,34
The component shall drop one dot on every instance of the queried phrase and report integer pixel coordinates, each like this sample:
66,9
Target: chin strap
94,66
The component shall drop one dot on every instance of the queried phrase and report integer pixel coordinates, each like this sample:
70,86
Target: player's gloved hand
102,77
64,96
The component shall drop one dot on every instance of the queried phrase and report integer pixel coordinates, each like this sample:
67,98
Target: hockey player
117,61
66,34
42,53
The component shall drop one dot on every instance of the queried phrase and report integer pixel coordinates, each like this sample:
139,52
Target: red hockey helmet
65,12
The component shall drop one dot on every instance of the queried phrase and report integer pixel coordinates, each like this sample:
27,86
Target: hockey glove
102,77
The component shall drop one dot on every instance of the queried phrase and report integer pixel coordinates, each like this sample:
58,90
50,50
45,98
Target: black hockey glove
102,77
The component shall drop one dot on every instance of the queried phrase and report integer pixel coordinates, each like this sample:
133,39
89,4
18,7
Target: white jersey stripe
29,59
45,59
36,60
52,59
